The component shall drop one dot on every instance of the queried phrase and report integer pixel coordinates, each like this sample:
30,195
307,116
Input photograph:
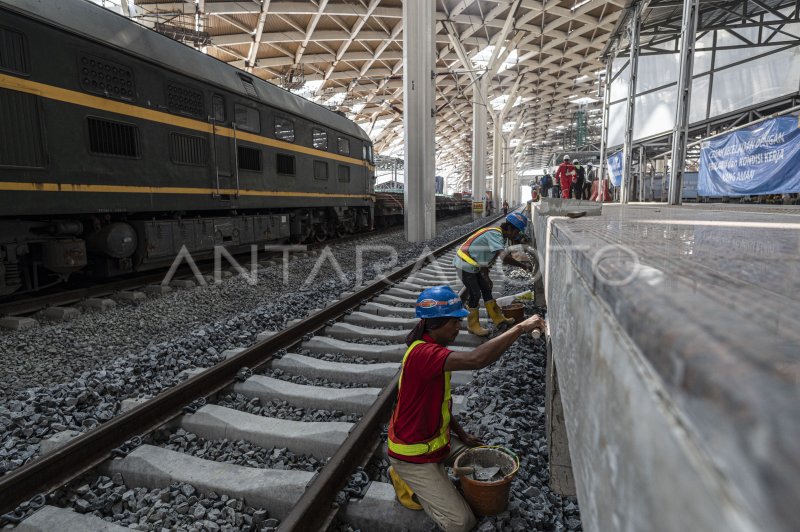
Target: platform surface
699,310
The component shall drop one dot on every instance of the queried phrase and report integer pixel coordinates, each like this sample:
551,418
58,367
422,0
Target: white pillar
514,192
633,69
508,193
681,131
498,193
419,122
642,169
478,145
602,170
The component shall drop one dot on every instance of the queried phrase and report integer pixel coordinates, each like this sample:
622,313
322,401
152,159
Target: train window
184,100
344,146
113,138
284,164
364,154
247,118
248,158
188,149
13,51
101,76
321,170
218,108
249,88
370,155
284,129
319,138
344,174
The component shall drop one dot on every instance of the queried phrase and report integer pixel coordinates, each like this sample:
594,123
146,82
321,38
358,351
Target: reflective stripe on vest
442,437
463,251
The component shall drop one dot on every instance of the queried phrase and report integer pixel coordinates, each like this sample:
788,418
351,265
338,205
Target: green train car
119,146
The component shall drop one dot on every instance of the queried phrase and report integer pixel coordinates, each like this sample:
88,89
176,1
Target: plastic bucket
516,311
488,498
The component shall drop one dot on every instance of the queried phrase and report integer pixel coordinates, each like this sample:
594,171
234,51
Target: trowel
485,474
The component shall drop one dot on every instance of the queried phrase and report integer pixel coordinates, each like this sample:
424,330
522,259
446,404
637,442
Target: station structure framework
507,77
705,41
526,65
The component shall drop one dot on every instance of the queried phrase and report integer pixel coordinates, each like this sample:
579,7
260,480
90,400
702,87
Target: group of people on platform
572,180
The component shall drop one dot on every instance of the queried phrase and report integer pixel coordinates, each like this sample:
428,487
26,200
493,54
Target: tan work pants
436,493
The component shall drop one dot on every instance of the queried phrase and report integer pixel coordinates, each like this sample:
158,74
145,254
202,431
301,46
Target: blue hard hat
517,220
440,302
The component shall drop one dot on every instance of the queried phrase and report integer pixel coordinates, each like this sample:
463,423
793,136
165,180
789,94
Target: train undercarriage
36,254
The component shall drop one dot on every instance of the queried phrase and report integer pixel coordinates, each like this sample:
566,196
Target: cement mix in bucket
487,474
485,465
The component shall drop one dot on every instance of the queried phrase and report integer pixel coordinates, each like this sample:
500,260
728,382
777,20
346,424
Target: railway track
343,373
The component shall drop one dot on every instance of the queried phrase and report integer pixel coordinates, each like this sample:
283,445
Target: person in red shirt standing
424,437
565,175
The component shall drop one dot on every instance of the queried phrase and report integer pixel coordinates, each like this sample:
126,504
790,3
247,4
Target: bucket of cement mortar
516,311
488,496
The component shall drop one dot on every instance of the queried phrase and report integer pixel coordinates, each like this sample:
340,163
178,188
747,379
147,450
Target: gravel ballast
178,507
85,368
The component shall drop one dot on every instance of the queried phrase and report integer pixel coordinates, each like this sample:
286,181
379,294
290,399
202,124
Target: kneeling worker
473,260
420,441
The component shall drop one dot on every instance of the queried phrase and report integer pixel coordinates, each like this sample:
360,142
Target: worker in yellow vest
420,441
473,260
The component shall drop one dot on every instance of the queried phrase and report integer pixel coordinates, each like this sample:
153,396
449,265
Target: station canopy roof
662,20
348,55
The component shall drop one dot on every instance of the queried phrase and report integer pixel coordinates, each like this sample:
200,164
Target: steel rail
92,448
314,510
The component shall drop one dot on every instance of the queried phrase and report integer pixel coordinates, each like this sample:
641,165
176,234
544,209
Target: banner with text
615,164
762,159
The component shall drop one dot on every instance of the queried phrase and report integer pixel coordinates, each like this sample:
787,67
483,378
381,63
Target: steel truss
657,27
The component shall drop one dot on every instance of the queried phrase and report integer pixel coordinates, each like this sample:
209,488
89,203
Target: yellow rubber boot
474,324
403,491
497,316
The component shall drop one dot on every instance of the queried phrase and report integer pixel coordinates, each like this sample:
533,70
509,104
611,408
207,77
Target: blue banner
615,164
762,159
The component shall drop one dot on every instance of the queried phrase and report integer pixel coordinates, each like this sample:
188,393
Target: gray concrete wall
637,463
562,479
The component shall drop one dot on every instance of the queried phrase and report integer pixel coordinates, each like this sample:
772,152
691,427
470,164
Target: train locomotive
120,146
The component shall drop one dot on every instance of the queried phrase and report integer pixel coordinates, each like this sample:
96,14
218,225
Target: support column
642,168
504,169
681,131
516,198
633,66
510,175
602,170
418,118
498,190
478,147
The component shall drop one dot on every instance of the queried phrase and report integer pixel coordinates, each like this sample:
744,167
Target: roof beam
312,25
251,55
278,8
493,64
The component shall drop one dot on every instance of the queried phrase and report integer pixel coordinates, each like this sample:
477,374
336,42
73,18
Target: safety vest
442,436
463,251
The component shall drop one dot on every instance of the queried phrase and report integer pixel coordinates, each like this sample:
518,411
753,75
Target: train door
369,176
223,148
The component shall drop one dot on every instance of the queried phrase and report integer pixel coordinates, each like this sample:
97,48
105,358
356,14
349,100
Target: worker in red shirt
566,175
420,441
